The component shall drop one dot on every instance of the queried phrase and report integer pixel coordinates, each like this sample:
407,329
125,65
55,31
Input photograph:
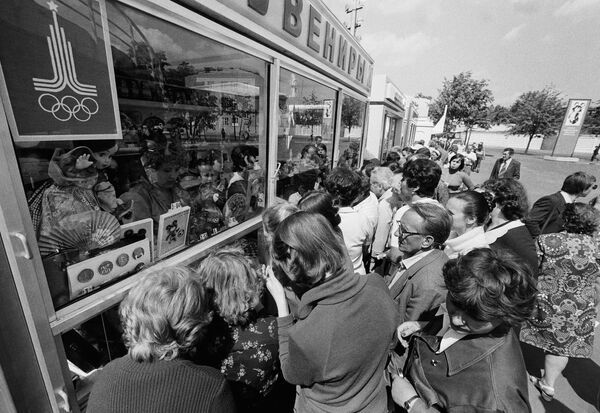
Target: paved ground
578,390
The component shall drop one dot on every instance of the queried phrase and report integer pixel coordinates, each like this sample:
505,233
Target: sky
517,45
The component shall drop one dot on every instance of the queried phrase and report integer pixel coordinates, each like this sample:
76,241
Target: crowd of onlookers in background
385,289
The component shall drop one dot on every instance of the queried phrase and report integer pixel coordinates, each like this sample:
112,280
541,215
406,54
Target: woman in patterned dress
244,342
566,311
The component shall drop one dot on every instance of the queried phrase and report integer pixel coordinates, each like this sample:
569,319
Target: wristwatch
410,402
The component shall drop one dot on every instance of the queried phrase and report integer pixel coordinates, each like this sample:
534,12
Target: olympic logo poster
57,74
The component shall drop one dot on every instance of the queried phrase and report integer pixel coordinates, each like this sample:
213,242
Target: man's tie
502,168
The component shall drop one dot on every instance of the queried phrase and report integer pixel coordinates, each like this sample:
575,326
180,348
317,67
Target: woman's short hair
461,158
165,314
437,221
234,282
424,174
319,202
476,206
275,214
490,285
510,195
577,182
306,248
580,218
344,185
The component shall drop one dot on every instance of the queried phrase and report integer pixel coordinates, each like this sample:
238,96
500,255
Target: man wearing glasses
545,216
506,167
417,286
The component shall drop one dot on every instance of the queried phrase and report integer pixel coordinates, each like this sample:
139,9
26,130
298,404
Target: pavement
578,390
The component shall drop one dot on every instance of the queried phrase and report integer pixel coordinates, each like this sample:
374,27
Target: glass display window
351,131
190,164
306,119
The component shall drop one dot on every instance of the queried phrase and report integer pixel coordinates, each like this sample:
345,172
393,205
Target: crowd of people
384,289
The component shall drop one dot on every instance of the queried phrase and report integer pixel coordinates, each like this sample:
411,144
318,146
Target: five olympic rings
68,107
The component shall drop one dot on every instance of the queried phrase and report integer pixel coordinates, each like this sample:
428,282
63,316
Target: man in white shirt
357,226
381,186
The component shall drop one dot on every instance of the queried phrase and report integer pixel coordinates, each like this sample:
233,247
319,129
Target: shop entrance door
29,359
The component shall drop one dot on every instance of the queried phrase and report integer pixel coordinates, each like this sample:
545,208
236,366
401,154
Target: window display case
143,134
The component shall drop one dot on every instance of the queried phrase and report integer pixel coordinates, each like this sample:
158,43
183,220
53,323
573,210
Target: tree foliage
353,112
538,112
592,121
468,102
499,115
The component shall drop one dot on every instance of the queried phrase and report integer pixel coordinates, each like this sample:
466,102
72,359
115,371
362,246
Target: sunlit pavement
578,390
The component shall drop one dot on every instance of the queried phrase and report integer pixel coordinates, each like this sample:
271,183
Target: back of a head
234,282
382,175
305,248
437,221
344,185
275,214
577,183
164,315
490,285
318,202
476,205
510,195
424,174
580,218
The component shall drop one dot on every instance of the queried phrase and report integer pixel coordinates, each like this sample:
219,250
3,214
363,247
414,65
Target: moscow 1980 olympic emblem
80,107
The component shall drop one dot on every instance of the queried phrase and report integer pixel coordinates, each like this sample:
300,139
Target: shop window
190,163
99,340
389,134
305,134
351,131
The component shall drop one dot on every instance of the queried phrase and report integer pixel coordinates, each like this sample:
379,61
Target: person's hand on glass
83,162
276,290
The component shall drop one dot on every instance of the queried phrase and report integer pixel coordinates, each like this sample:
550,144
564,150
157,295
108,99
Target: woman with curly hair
506,231
468,358
164,318
563,325
245,338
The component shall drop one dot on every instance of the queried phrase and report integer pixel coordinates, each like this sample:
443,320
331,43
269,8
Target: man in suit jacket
545,216
417,286
506,167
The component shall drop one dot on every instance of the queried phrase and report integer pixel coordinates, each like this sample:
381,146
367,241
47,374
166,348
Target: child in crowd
468,358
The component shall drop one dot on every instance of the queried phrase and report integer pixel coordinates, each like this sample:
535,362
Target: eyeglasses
402,234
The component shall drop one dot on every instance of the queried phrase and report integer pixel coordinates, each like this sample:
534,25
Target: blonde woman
164,318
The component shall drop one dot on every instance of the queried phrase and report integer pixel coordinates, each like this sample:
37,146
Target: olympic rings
68,107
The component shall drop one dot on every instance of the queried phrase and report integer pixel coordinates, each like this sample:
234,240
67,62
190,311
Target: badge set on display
90,274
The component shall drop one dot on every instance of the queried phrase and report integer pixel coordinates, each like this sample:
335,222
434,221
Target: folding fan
84,231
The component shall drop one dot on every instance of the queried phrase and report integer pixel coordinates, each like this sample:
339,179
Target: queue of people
376,293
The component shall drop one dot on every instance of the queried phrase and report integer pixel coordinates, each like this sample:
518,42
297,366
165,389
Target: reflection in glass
306,119
353,117
193,115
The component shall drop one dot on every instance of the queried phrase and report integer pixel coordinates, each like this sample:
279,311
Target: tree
538,112
592,121
499,115
353,112
468,103
310,116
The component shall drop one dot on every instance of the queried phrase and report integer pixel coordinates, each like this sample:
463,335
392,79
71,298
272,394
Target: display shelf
71,316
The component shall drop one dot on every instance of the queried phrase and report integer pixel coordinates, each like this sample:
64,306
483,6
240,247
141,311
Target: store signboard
57,80
308,26
570,128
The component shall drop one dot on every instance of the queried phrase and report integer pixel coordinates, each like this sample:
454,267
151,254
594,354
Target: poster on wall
56,77
571,126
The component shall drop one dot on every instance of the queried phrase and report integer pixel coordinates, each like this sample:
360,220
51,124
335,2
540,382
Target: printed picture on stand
172,231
